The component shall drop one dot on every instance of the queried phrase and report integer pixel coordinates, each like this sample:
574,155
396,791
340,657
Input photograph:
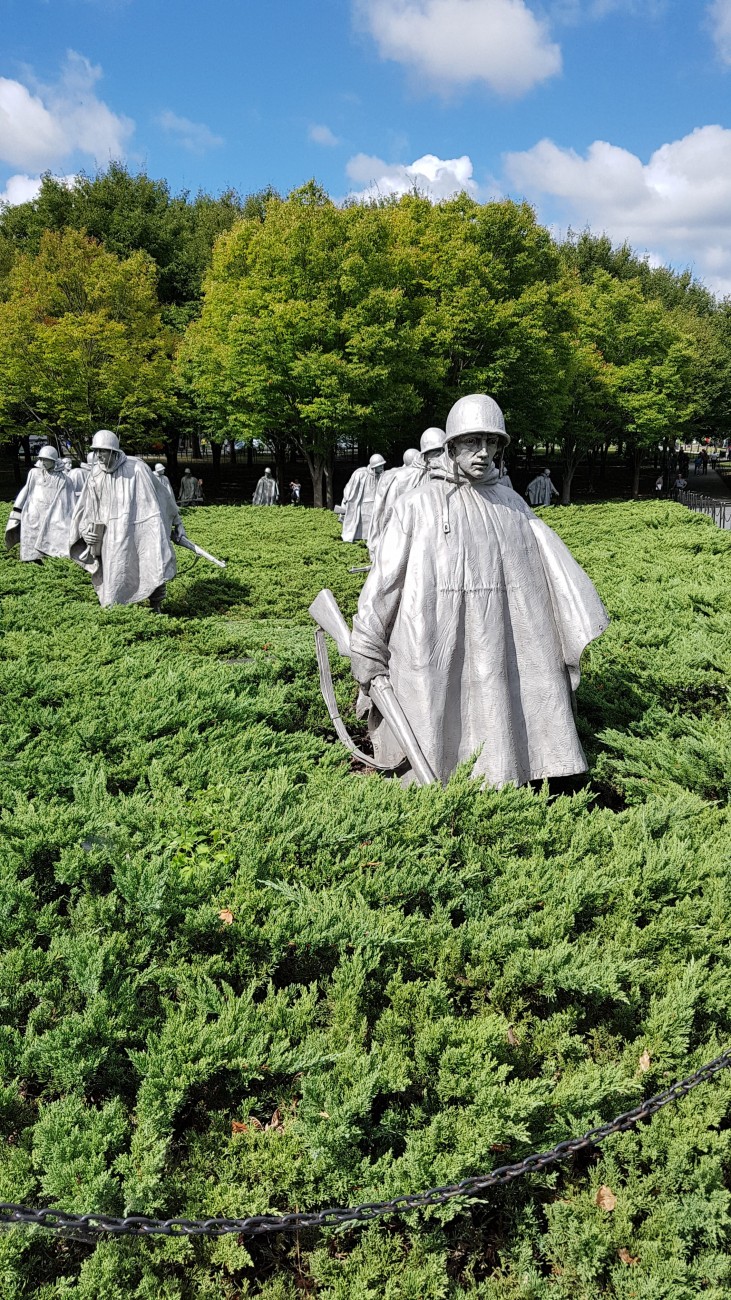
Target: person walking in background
704,461
295,492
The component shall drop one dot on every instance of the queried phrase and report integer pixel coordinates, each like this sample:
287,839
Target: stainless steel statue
266,492
189,490
394,482
40,519
476,615
541,490
121,527
359,498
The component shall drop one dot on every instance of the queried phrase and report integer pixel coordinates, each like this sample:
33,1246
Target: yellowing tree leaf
226,916
644,1062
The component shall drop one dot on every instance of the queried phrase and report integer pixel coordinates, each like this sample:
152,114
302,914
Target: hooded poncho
46,503
357,504
266,492
541,490
136,556
391,485
479,614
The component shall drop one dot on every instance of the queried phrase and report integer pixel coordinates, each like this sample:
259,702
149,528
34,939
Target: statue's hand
179,533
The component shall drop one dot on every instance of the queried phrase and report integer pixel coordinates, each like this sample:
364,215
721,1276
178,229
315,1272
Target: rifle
326,613
198,550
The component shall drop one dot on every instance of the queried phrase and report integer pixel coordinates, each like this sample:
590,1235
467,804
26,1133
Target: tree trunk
232,450
196,446
280,469
316,466
250,454
330,481
216,454
568,475
171,453
637,465
25,444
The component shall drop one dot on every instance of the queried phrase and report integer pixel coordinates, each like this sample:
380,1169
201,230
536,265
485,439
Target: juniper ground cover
237,976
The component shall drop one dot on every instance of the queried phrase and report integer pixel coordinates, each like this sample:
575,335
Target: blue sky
612,113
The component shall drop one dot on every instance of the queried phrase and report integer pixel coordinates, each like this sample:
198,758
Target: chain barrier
90,1226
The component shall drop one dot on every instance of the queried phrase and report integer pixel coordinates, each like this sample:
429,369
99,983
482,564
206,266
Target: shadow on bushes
209,596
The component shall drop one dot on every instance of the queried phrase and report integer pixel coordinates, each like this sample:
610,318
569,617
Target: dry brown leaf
226,916
512,1037
238,1127
644,1062
605,1198
276,1121
625,1256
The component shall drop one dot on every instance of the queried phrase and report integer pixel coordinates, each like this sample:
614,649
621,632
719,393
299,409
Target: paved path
713,488
709,485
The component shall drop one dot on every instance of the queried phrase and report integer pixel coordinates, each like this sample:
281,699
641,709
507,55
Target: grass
237,976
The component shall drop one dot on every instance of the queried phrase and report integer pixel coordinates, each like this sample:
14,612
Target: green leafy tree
648,363
130,212
308,334
82,344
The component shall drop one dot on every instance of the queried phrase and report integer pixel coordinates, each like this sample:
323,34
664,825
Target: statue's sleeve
380,599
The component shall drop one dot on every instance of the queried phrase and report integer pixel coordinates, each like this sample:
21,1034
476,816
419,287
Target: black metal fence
718,511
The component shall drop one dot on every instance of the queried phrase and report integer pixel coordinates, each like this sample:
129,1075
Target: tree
307,333
82,344
130,212
648,362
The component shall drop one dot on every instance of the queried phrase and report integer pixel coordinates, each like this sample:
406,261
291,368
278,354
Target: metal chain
93,1225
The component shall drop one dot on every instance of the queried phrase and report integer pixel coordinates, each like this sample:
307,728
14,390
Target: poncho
136,555
391,485
189,490
357,504
541,490
266,492
479,614
46,503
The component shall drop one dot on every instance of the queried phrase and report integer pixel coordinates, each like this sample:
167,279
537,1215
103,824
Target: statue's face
106,458
47,464
378,470
474,454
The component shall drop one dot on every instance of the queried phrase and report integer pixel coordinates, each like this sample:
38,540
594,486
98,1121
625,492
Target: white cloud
678,204
194,136
318,133
437,178
41,125
719,15
22,189
450,43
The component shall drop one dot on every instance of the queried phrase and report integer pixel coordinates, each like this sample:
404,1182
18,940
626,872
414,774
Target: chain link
90,1226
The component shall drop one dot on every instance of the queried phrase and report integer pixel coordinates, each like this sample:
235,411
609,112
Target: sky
611,114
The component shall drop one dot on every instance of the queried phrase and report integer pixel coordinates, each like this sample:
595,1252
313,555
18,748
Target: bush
239,977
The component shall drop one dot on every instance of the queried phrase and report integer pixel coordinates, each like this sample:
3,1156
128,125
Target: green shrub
238,976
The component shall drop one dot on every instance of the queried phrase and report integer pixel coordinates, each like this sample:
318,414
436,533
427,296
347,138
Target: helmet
48,453
432,440
267,470
376,460
105,441
477,413
159,468
410,455
185,471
